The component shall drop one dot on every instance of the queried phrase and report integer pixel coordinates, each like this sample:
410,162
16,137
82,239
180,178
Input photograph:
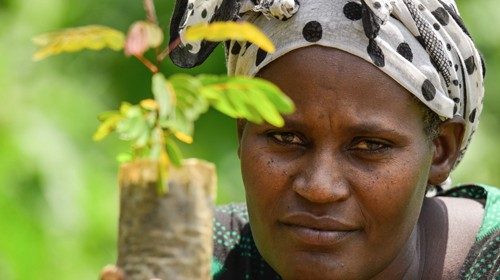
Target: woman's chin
313,265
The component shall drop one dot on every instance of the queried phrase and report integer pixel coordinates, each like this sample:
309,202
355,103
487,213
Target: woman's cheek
264,174
392,199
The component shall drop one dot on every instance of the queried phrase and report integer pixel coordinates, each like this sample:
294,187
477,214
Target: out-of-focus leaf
217,97
265,108
173,151
149,104
93,37
141,36
282,102
252,99
241,103
107,126
223,31
134,127
189,99
190,104
124,157
164,95
178,122
105,115
183,137
124,107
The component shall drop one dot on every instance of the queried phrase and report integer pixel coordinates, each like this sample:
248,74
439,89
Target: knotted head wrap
421,44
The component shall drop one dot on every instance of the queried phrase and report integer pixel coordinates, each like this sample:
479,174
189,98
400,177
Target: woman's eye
286,138
371,146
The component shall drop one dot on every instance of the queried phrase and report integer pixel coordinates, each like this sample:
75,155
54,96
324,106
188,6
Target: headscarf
421,44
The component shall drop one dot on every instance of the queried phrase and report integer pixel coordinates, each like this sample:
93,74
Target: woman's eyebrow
375,127
358,127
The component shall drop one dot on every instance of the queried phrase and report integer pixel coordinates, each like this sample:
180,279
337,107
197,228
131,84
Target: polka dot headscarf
421,44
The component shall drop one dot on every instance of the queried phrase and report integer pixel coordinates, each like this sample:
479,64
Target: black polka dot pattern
470,64
371,23
245,48
235,50
204,13
405,51
428,90
261,55
383,35
432,43
472,116
313,31
376,54
442,16
455,107
352,11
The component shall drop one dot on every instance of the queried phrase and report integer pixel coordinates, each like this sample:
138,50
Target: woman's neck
410,261
439,242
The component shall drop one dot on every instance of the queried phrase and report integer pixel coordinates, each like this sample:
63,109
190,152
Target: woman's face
337,191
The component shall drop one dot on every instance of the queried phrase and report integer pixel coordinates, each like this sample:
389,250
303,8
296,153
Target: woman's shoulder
477,199
473,217
235,254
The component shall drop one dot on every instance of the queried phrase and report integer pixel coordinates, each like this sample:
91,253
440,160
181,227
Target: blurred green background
58,191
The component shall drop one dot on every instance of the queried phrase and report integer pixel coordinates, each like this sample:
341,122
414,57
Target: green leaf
242,104
134,127
190,104
105,115
173,151
218,99
164,95
189,99
281,101
266,109
178,122
93,37
230,30
253,99
124,157
107,126
124,107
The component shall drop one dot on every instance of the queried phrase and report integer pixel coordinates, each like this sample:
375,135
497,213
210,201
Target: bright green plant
179,100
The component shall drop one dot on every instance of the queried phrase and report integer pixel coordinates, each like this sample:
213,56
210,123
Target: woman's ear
240,124
446,149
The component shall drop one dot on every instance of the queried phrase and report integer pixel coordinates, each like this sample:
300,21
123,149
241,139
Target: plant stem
150,65
169,49
149,6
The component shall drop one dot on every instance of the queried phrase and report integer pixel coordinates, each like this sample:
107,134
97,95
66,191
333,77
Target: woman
388,95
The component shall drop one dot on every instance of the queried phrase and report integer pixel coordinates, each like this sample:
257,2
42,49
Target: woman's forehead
326,64
329,83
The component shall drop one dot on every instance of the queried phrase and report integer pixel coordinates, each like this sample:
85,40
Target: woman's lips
317,231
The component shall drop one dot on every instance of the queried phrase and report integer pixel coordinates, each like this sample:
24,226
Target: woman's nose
322,180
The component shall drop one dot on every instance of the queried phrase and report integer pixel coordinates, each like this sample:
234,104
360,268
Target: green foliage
58,194
178,102
93,37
